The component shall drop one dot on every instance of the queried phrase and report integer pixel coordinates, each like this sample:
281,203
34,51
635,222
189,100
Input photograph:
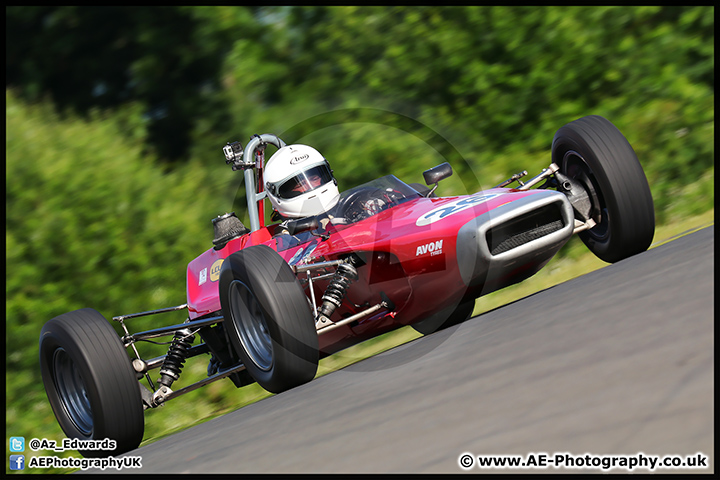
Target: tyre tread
623,185
282,298
117,411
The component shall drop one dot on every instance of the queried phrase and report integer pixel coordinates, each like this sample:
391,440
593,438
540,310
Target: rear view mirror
435,174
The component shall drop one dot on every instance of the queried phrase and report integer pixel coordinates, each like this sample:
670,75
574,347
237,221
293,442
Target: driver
299,183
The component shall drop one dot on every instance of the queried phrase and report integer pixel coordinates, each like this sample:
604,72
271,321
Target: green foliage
165,58
101,97
494,82
89,222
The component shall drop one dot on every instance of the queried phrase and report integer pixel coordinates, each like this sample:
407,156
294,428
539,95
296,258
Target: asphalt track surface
617,362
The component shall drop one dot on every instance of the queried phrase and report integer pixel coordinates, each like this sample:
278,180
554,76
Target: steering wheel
364,203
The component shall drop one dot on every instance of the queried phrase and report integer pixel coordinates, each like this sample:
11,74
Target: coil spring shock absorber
176,356
334,293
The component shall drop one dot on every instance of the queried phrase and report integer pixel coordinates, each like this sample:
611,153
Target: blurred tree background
116,117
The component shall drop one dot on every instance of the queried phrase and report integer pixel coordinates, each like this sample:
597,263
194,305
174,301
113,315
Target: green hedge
94,218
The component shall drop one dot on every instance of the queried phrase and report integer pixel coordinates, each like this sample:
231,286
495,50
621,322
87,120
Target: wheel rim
575,167
250,325
72,392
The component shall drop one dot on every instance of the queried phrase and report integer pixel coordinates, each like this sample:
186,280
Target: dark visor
304,182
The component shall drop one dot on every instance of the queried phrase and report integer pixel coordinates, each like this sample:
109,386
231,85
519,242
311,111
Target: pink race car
268,301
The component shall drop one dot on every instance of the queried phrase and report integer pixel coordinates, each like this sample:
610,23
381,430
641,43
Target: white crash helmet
299,182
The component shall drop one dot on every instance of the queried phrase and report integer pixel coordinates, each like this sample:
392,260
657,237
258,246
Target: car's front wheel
592,151
268,319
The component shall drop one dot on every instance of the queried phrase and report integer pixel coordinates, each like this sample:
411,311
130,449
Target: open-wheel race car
268,301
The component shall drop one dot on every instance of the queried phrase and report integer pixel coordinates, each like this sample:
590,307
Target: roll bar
245,160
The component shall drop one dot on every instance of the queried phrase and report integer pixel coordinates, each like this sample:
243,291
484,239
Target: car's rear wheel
592,151
268,319
89,381
446,318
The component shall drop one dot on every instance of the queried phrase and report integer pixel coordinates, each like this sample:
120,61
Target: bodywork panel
424,254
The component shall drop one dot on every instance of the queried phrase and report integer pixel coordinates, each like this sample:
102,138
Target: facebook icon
17,462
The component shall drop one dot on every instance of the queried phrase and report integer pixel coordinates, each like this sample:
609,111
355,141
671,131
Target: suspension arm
162,331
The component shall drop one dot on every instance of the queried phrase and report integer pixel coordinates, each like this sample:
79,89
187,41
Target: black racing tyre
449,317
268,319
594,152
90,382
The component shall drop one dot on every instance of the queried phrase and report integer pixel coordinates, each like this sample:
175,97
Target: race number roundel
454,207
